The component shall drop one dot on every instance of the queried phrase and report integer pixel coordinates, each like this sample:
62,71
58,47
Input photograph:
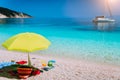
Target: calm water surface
80,39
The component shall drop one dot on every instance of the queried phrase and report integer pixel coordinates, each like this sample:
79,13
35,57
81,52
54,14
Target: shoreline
83,59
65,69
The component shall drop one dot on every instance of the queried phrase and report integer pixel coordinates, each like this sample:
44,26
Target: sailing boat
103,18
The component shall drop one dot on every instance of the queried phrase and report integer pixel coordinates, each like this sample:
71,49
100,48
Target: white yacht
103,18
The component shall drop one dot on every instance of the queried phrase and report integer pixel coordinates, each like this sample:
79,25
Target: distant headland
7,13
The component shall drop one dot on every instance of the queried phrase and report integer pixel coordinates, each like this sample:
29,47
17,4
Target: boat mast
108,6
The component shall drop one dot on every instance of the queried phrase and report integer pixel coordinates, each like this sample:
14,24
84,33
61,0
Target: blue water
74,38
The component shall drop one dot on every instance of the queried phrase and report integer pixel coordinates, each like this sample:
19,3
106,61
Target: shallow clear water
71,38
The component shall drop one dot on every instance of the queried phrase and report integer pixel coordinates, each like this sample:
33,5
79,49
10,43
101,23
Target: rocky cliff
7,13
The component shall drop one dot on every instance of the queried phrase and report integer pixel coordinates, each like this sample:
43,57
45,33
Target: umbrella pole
29,61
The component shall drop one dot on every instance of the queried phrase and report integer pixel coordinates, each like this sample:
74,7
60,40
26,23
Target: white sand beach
65,69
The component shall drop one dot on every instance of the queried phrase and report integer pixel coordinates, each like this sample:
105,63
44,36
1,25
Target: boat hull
103,20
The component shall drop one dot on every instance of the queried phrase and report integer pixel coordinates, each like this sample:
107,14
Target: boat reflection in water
105,26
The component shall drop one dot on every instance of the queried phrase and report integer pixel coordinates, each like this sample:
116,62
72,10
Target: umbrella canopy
27,42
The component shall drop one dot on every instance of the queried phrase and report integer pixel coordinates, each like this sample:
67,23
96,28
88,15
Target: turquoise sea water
71,38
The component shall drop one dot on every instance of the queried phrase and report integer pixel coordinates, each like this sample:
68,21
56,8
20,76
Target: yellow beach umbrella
27,42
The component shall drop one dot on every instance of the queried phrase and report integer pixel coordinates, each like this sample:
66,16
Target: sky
62,8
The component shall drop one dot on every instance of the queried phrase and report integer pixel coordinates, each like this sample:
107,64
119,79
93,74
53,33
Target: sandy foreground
65,69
